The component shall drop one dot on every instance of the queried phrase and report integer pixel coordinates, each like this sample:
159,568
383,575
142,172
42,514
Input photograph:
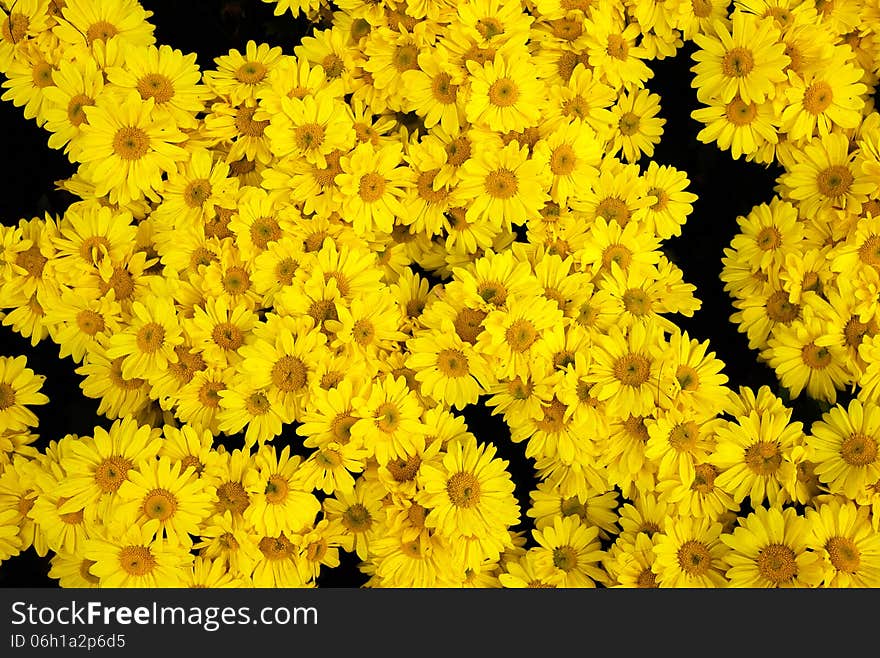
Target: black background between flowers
726,189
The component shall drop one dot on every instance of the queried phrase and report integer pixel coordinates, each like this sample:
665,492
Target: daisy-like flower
245,406
134,557
745,129
161,490
678,443
613,52
71,570
505,94
626,368
166,75
103,20
373,182
637,128
311,128
748,60
823,175
432,91
842,534
147,345
241,77
754,456
502,186
690,553
279,503
569,553
216,332
513,337
19,388
844,444
571,153
97,466
806,361
448,369
388,417
769,548
819,101
699,384
125,149
469,495
77,84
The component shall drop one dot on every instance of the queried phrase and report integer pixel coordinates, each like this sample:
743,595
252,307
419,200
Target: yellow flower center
563,160
308,136
236,281
159,504
859,449
227,336
101,31
356,518
156,86
150,337
520,335
137,560
75,113
694,558
617,47
834,181
763,458
503,92
815,357
131,143
738,62
843,554
245,123
452,363
613,209
404,470
818,97
458,151
111,473
90,322
257,404
777,563
501,183
704,478
463,489
768,238
444,91
251,73
289,374
387,417
15,27
740,113
276,490
632,369
371,187
231,497
197,192
780,309
276,548
628,124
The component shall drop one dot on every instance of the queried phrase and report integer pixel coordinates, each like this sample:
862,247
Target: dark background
726,189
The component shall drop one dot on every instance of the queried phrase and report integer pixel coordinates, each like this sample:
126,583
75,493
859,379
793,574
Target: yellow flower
373,183
744,129
125,149
569,553
19,388
505,94
279,501
747,60
388,418
690,554
162,490
240,77
637,128
571,153
844,444
842,534
133,557
77,84
105,20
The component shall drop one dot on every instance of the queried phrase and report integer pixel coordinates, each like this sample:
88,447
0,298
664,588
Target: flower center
628,124
156,86
333,66
245,124
777,563
131,143
501,184
277,548
111,473
89,322
387,417
815,357
251,73
469,324
632,369
859,449
289,374
463,489
159,504
687,378
740,113
683,436
768,238
452,363
704,478
702,8
150,337
616,253
737,63
75,113
503,92
371,187
231,497
236,281
617,47
613,209
834,181
763,458
357,518
101,31
520,335
843,554
694,558
563,160
137,560
425,187
257,404
15,27
444,91
818,97
209,394
405,470
780,309
637,302
277,489
227,336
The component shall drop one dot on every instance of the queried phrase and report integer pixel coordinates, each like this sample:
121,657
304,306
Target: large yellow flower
125,148
505,94
19,387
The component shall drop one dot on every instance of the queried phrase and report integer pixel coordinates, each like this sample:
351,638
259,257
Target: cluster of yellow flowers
431,205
